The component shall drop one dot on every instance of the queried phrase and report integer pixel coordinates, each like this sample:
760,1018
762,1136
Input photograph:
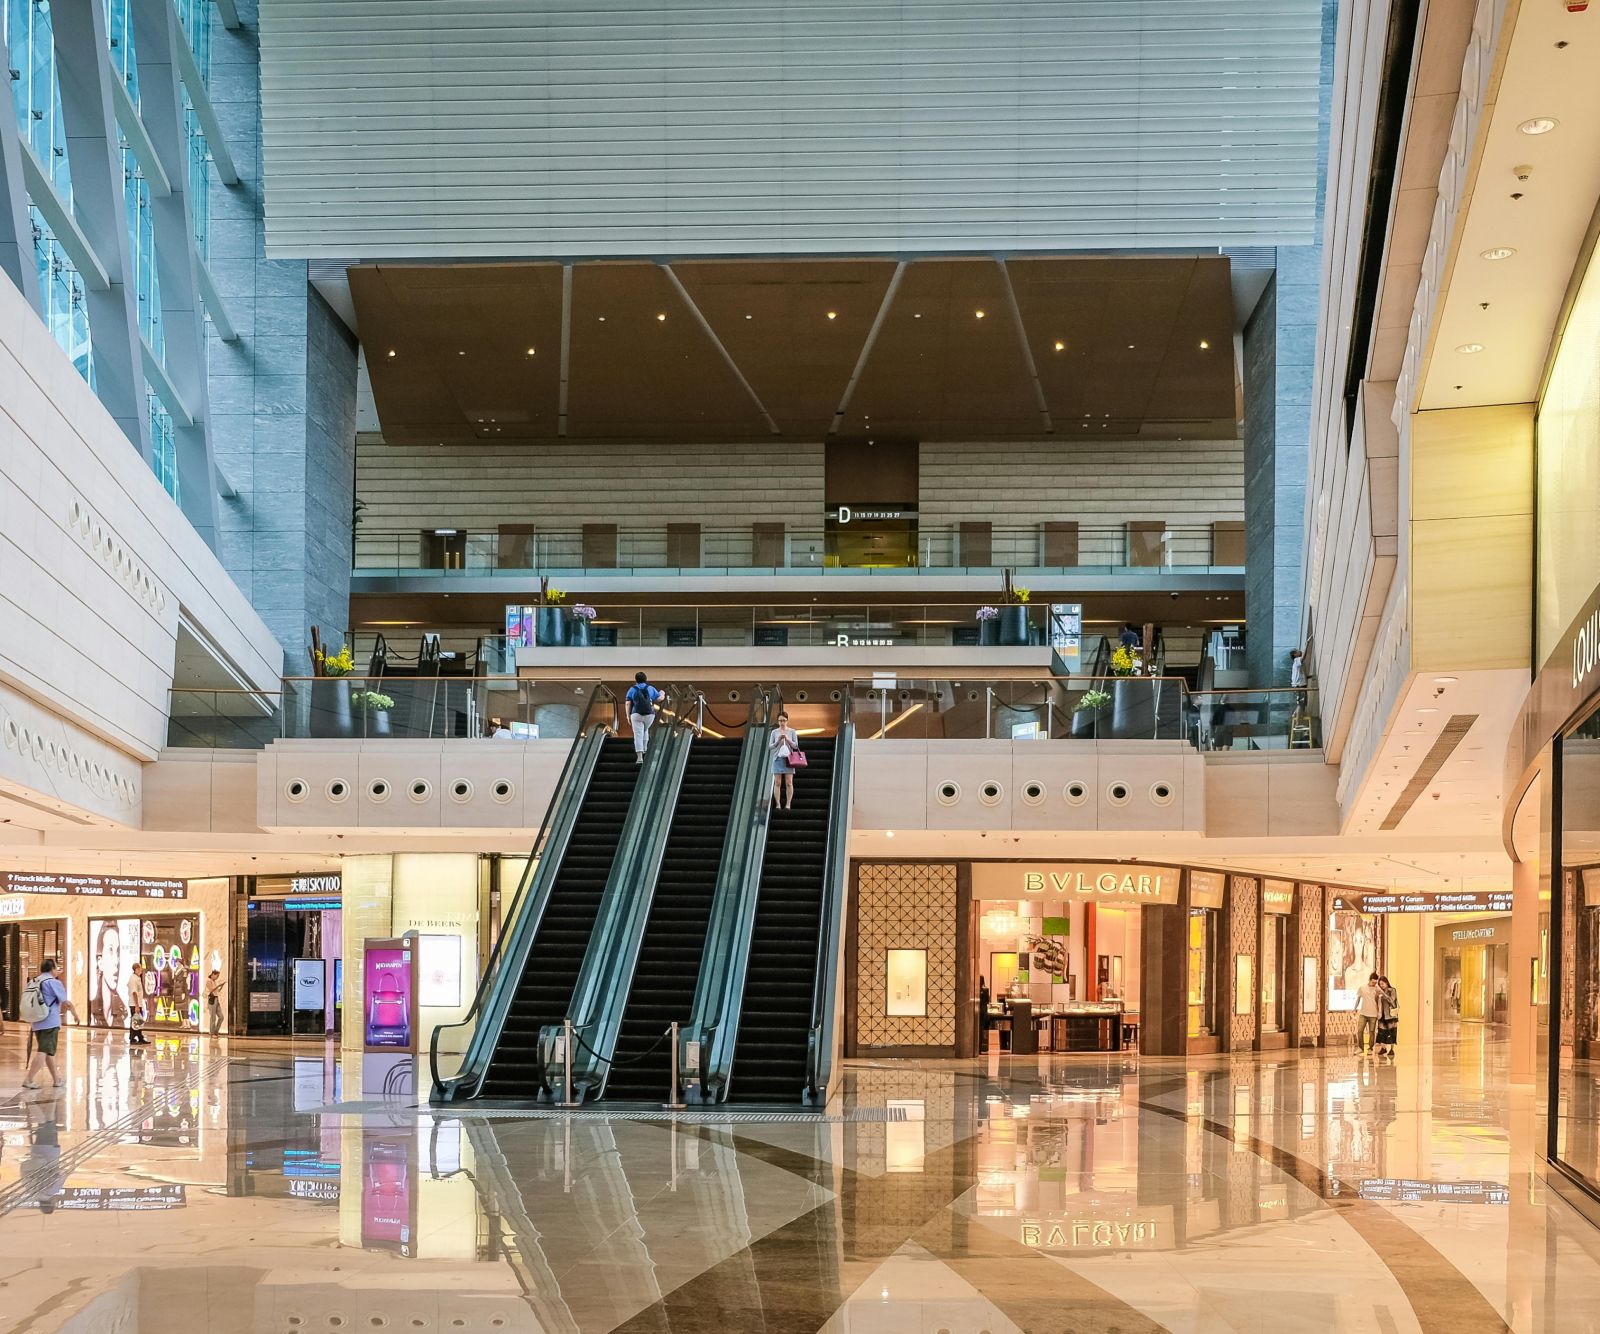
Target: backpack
643,705
33,1009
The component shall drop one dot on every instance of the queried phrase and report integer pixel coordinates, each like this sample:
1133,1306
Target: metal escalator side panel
498,984
827,1005
606,974
714,1020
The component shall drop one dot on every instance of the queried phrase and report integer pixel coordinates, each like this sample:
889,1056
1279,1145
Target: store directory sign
1493,900
390,995
92,886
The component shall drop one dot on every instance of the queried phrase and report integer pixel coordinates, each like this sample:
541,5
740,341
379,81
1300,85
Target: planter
988,633
1084,724
376,722
1145,708
1013,625
330,708
578,632
550,626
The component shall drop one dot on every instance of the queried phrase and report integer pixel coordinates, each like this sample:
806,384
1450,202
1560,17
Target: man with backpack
43,1000
640,703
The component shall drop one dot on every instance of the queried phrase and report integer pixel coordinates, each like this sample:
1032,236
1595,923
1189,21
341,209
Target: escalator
675,934
547,976
777,1013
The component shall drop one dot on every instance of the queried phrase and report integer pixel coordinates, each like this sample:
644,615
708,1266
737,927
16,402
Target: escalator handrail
600,993
725,958
538,876
820,1038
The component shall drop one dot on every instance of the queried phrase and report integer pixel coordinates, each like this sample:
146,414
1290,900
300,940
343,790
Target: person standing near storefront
138,1006
42,1003
1388,1018
214,986
1369,1005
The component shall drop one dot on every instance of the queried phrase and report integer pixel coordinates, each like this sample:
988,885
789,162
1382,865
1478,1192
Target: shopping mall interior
869,669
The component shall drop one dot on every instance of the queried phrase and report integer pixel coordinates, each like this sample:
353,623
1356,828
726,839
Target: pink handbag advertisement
390,995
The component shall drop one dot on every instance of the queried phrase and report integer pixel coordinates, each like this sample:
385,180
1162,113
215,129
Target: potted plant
578,627
1014,615
988,625
330,692
374,706
1132,714
1085,716
550,625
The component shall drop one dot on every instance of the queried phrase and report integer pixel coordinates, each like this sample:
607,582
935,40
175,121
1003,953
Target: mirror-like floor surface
196,1185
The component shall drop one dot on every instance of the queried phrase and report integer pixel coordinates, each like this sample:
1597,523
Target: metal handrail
600,992
724,959
830,928
492,979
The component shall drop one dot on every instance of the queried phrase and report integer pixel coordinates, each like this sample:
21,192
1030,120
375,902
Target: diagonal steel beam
16,232
182,385
199,98
95,159
228,12
866,348
1027,349
727,357
566,346
138,138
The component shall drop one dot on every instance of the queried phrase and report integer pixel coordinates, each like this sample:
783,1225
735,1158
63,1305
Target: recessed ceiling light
1428,710
530,352
1445,680
749,317
1469,348
1539,125
917,316
1497,252
1060,346
391,352
602,319
978,314
662,318
461,354
888,833
1130,347
1204,345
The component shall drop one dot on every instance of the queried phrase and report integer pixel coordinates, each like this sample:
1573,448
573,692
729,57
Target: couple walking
1378,1005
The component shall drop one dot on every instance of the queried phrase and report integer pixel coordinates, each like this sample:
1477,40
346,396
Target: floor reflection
1049,1193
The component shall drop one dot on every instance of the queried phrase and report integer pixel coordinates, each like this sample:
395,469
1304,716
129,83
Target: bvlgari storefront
958,957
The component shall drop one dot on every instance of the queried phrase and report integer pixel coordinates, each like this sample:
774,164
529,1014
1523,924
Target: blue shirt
52,993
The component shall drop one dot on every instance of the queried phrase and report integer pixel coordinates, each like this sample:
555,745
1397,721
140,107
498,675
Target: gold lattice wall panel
905,907
1242,894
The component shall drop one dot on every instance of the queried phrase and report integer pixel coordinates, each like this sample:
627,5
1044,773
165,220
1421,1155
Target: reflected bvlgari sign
1112,1230
1099,882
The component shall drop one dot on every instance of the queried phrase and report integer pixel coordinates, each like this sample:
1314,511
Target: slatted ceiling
631,374
424,128
429,392
1451,735
936,369
796,359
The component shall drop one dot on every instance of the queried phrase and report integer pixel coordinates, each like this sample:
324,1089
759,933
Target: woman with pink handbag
786,758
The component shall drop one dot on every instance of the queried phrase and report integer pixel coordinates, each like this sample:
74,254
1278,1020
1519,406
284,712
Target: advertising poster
310,984
113,950
440,966
170,950
389,998
1352,956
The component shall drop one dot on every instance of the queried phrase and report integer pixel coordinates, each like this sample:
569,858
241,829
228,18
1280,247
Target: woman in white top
784,742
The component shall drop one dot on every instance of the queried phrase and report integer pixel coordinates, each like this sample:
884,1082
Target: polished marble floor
201,1186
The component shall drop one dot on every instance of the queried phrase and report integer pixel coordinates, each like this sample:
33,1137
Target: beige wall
1471,538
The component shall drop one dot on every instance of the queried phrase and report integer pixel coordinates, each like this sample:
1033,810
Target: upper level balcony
603,557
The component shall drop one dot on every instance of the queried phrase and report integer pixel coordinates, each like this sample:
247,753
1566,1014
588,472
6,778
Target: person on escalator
640,702
785,744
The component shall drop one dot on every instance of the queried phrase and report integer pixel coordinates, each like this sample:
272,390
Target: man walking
640,703
42,1002
1369,1005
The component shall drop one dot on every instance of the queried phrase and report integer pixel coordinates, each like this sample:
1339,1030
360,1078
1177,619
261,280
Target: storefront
292,955
123,944
1472,971
955,958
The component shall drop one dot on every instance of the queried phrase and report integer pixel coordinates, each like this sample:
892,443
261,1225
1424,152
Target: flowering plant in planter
548,596
375,700
1124,661
987,613
1017,594
341,663
584,611
1092,701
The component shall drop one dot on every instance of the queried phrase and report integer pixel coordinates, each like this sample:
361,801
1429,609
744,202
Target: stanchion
674,1102
566,1064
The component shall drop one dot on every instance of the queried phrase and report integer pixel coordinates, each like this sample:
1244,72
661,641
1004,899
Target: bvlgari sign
1092,882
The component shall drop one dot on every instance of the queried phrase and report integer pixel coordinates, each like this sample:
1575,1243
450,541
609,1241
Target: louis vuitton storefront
959,957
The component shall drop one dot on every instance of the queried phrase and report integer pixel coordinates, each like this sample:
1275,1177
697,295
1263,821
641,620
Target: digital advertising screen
170,950
390,1007
113,950
1352,956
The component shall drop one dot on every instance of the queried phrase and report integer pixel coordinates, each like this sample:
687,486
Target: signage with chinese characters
12,907
1094,882
1493,900
1277,896
93,886
1206,888
118,1199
